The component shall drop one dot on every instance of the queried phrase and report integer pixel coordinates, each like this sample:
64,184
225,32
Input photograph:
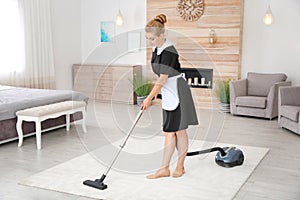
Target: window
12,51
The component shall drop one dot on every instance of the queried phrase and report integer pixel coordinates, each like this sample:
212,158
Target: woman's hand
155,90
146,103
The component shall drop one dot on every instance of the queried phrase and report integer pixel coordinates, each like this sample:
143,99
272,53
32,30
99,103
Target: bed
13,99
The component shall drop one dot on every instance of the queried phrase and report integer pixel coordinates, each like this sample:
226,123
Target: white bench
41,113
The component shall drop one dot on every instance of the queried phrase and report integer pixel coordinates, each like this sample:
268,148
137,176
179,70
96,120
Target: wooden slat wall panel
224,10
191,40
221,32
222,3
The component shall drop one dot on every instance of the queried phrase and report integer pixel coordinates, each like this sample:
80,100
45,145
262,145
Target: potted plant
222,91
142,86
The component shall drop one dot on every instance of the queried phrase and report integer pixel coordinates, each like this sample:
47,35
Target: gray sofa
289,108
257,95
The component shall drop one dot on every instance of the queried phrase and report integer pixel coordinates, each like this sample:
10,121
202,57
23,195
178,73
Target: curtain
38,70
39,60
12,51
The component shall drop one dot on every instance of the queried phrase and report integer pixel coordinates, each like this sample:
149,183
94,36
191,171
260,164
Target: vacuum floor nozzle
95,184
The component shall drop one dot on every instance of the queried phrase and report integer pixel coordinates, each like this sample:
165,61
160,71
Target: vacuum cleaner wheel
234,157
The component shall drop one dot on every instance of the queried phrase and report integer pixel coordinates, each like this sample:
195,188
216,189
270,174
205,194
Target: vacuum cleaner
226,156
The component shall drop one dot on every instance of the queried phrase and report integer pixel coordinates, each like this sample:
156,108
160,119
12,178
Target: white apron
169,92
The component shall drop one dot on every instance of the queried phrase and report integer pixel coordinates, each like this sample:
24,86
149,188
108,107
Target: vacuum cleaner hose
221,150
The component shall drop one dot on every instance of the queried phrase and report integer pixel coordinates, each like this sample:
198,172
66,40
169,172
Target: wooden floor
276,177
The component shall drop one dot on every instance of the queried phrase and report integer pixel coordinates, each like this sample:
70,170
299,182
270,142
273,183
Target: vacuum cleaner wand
98,183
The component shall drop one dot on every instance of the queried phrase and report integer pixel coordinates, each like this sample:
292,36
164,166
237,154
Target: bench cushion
51,108
251,101
290,112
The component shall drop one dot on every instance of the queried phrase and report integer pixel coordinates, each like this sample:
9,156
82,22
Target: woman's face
152,39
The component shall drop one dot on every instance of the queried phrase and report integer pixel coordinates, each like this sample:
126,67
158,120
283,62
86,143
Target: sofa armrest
299,125
237,88
272,100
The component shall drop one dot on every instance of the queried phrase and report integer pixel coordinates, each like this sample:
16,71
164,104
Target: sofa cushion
290,112
260,84
251,101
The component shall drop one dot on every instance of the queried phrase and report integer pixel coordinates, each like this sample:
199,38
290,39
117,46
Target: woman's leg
182,147
169,147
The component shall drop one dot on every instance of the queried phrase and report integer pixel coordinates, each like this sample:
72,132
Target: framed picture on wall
134,41
107,31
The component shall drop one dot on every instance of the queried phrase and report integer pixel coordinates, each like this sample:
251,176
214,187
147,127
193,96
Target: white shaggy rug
203,179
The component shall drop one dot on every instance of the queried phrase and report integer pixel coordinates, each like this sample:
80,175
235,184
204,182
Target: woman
177,103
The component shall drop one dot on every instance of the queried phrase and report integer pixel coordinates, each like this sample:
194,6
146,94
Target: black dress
165,61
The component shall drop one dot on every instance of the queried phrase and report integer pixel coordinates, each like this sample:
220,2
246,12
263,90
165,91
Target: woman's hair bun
161,18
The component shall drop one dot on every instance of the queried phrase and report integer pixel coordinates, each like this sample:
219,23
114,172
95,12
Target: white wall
66,31
76,25
274,48
95,11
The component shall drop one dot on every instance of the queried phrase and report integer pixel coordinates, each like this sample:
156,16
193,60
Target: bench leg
83,120
68,122
38,134
20,131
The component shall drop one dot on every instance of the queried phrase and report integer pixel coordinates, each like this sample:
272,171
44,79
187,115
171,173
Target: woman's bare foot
160,173
179,171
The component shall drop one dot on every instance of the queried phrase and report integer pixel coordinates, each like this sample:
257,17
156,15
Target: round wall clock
190,10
